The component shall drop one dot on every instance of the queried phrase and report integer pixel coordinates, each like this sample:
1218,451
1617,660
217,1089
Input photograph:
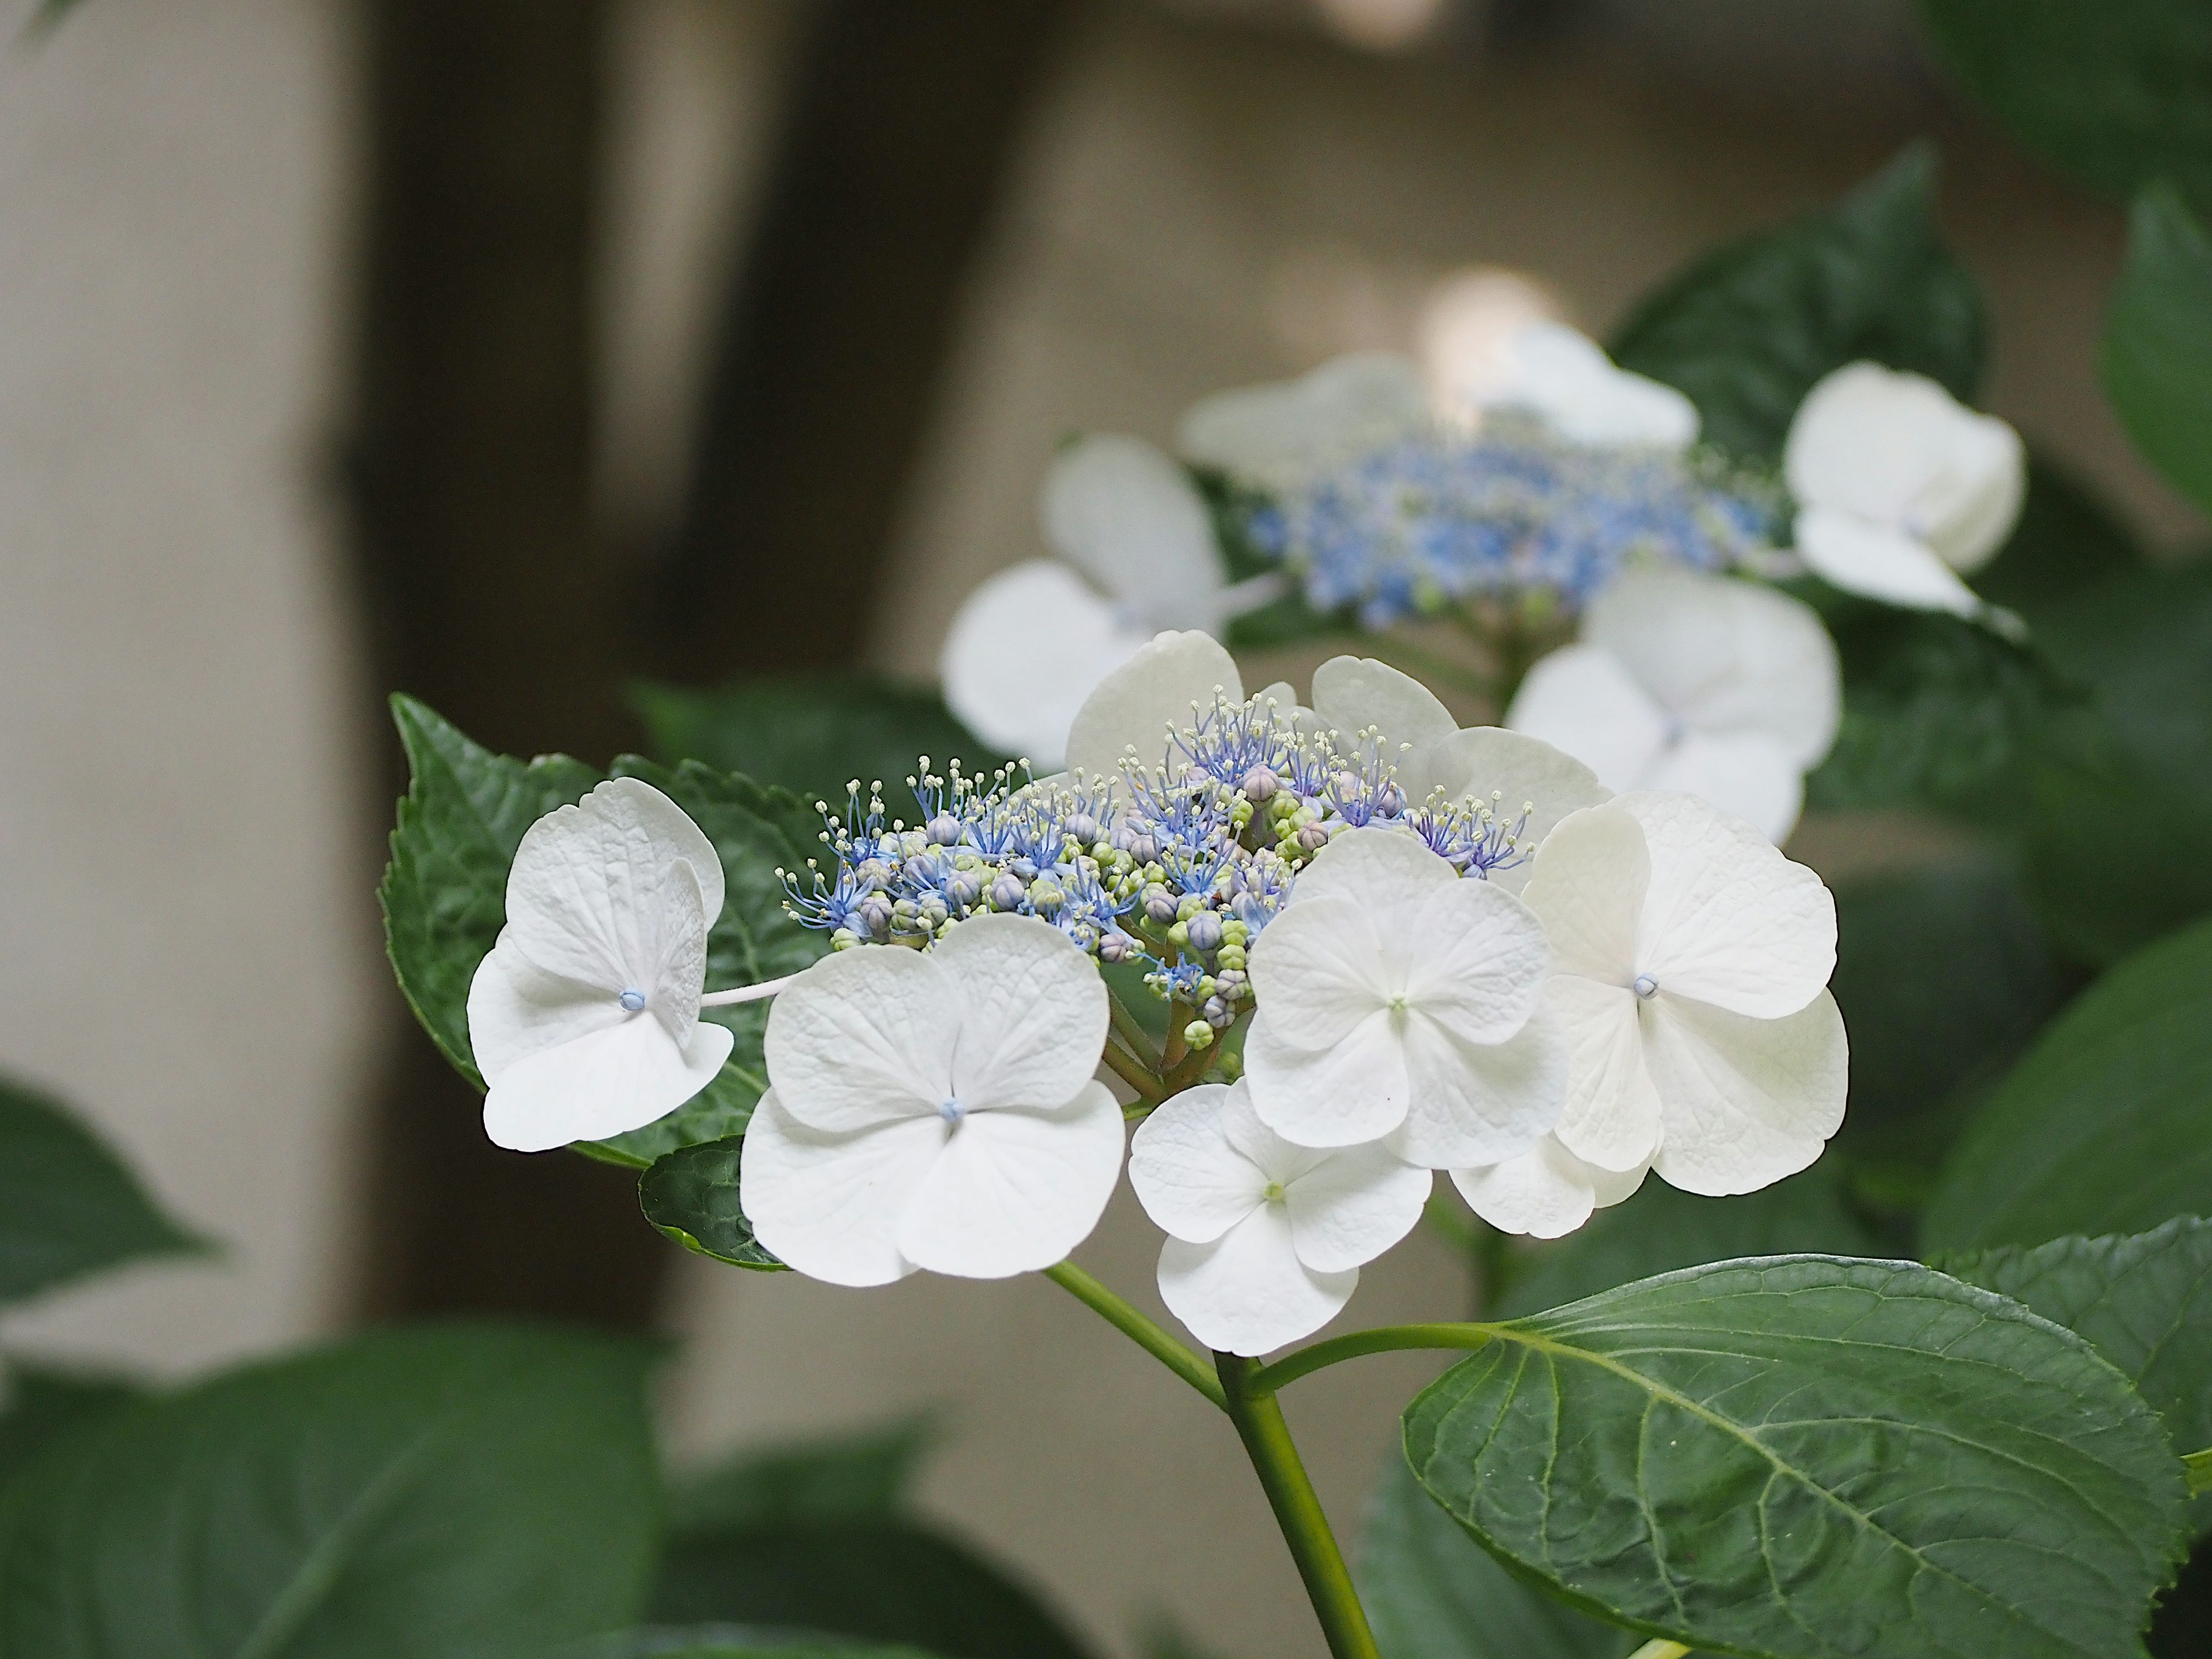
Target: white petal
606,1083
1581,700
1319,969
1193,1182
1520,771
516,1008
1546,1192
1612,1116
1588,887
1898,450
1728,918
1352,1205
827,1204
1354,1090
866,1036
1036,1011
1025,650
1277,1159
1352,694
1876,563
1132,708
1246,1293
1561,375
1282,434
1129,518
1723,655
1015,1189
1479,1102
1746,1100
1747,774
604,890
1387,873
1475,960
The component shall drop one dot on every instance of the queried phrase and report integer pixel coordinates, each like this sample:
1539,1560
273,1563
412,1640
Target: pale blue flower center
633,1000
951,1110
1645,986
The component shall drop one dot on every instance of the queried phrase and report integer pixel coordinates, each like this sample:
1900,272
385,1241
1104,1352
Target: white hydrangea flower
1280,435
1564,378
1133,708
1722,689
1547,1192
584,1017
1265,1239
1901,489
1692,967
1399,1001
1030,643
1436,755
935,1110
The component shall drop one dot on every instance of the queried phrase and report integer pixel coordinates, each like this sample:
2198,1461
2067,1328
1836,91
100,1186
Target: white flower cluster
1652,998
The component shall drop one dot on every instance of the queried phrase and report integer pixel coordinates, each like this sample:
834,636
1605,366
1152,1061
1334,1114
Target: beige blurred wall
189,949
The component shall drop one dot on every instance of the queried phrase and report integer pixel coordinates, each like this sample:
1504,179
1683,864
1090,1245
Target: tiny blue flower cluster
1178,868
1445,516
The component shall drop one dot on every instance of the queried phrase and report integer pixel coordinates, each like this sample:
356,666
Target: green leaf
2158,341
1432,1592
885,1580
2143,1301
444,893
729,1642
1748,330
1808,1456
865,1476
1937,710
2112,91
811,734
68,1206
450,1493
2105,1126
2066,542
691,1195
1288,620
1663,1228
43,1407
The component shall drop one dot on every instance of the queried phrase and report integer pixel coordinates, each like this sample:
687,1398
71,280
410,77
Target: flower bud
1115,946
1231,958
1260,784
1216,1012
1197,1033
1312,838
873,913
944,829
1080,827
964,890
1203,931
1159,904
1045,896
1006,892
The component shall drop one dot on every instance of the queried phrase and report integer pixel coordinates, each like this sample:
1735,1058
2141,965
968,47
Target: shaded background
501,351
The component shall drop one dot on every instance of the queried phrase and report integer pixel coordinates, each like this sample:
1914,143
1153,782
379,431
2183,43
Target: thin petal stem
1134,1073
1385,1339
760,992
1144,1331
1132,1034
1274,1456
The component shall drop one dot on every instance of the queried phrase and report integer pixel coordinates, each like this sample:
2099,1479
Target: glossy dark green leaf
850,1477
2158,339
68,1206
2115,92
1663,1228
813,733
1809,1456
43,1407
887,1580
1432,1592
2105,1124
2142,1300
691,1195
449,1493
1748,330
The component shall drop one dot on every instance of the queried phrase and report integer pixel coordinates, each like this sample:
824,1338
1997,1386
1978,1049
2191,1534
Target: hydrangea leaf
863,1476
1432,1592
2066,540
2158,335
691,1195
2142,1300
411,1495
68,1206
1804,1455
2115,92
811,734
44,1405
2105,1124
1748,330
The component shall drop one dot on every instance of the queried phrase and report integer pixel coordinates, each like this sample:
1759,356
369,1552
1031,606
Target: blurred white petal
1024,652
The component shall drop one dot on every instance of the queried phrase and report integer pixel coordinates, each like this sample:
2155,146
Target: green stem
2199,1466
1384,1340
1142,1331
1133,1072
1267,1443
1130,1031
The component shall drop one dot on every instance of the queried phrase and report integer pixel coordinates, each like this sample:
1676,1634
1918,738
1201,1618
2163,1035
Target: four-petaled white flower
584,1017
1265,1238
1692,967
1723,689
1286,433
1900,489
935,1110
1563,378
1399,1001
1031,642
